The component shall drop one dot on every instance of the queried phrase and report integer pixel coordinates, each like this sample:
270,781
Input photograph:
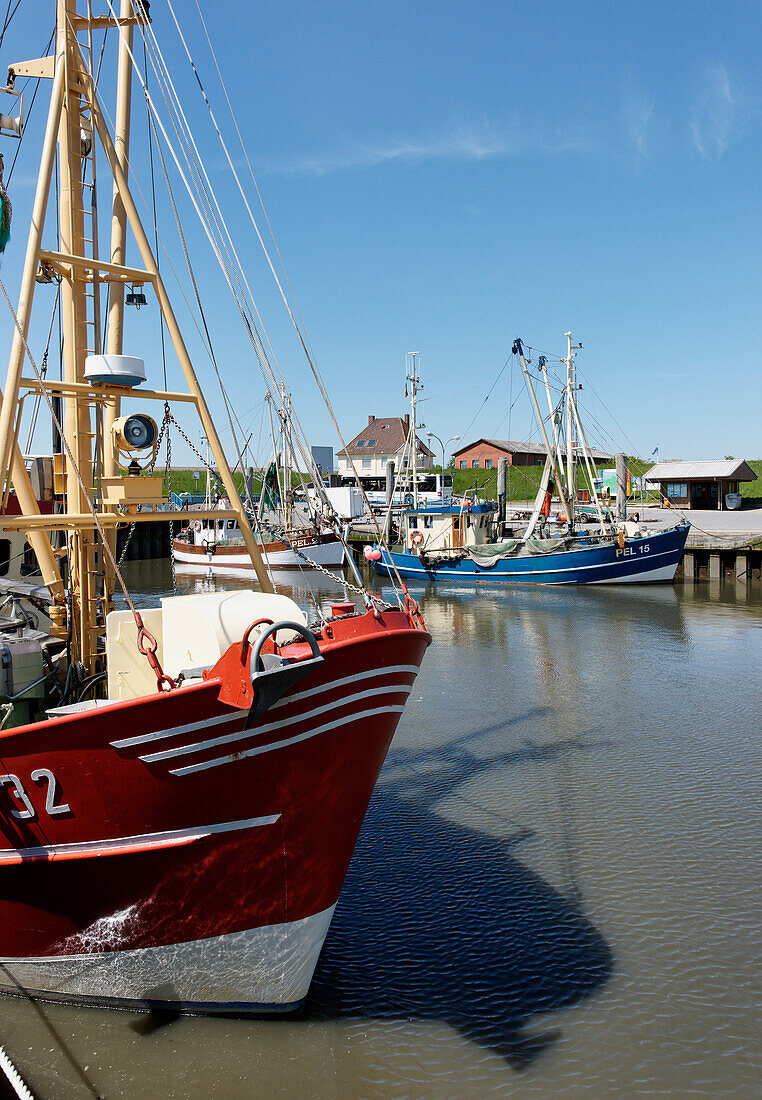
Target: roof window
371,443
360,443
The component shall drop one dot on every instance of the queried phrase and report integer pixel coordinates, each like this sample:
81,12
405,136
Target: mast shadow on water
440,922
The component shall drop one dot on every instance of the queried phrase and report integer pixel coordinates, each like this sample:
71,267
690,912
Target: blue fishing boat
468,540
637,557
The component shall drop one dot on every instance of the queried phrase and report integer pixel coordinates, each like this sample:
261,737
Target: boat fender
416,538
197,525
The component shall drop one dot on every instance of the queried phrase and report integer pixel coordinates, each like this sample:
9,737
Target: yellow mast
77,422
112,409
73,99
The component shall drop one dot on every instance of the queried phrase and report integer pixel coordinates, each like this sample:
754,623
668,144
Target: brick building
484,454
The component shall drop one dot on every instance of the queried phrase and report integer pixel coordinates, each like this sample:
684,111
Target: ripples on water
555,890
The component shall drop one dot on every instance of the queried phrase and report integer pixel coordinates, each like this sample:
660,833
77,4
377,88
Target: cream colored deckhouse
383,440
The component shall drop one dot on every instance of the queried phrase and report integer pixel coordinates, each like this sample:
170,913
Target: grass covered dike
523,481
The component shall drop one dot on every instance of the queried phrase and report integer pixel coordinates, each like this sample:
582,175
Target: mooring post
621,487
389,499
502,487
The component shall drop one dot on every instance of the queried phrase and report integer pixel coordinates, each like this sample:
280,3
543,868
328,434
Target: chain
168,479
200,457
168,418
280,533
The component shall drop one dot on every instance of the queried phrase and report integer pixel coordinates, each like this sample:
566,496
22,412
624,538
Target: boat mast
412,376
77,328
571,427
112,407
542,364
518,348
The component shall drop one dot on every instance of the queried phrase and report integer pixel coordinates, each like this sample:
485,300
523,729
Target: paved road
708,529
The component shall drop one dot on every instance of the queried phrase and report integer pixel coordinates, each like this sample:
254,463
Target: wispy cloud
638,113
463,143
718,114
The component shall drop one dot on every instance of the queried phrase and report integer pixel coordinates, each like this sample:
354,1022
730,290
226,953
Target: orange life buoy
416,538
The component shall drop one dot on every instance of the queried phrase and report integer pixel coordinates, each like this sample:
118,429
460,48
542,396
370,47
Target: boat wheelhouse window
456,523
428,521
231,524
29,566
5,556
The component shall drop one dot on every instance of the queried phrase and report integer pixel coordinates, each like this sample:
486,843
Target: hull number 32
42,777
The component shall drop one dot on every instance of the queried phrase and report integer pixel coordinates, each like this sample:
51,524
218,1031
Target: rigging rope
300,335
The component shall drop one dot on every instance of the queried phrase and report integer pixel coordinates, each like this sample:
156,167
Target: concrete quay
720,544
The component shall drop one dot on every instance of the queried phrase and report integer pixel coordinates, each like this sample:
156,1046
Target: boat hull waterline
325,550
156,852
644,560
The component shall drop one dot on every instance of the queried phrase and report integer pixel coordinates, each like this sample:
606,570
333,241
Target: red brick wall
480,452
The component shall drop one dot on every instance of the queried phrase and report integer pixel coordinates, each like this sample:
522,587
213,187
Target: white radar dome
119,370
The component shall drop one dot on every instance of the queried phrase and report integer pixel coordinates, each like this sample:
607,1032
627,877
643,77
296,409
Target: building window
366,464
371,442
384,459
360,443
463,465
488,464
475,464
677,489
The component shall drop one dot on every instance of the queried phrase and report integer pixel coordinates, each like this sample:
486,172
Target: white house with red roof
382,441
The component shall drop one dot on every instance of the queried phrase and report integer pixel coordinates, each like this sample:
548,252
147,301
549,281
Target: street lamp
452,439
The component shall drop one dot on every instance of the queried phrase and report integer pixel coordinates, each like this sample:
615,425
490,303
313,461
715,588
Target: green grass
752,490
523,481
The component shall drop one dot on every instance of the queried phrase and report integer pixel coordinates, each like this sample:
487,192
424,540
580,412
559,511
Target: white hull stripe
177,731
191,727
390,670
247,735
143,842
356,717
521,573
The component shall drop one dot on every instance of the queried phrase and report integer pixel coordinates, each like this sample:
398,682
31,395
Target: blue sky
442,177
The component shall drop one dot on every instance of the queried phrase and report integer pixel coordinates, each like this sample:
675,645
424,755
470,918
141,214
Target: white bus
432,489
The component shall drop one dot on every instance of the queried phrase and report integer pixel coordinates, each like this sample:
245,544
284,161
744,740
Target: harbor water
556,890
